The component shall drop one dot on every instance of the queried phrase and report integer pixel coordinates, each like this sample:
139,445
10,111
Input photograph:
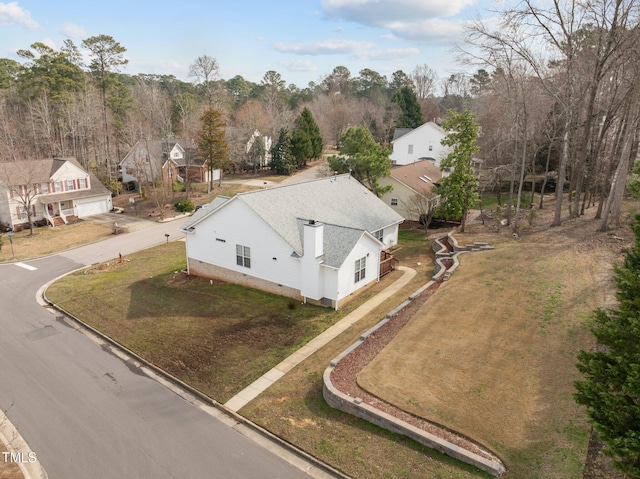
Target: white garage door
92,208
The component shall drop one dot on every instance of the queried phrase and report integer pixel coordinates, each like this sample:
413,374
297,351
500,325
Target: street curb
322,470
15,443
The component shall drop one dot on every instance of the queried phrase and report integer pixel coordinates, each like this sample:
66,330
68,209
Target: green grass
217,337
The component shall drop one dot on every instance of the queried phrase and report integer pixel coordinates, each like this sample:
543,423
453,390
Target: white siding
214,241
330,282
366,247
423,137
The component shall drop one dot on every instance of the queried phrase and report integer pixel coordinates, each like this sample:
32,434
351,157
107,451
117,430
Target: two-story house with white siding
318,241
52,191
413,144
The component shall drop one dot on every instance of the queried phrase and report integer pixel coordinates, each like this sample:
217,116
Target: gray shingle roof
346,208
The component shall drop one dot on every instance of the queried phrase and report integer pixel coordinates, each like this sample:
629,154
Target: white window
58,186
44,188
361,269
71,185
83,183
379,235
243,256
410,149
394,201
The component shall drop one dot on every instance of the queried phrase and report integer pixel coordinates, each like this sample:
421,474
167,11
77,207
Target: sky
302,40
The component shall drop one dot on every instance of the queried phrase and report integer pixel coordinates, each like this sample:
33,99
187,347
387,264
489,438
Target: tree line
53,104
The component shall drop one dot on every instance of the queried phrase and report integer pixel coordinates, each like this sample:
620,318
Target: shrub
184,206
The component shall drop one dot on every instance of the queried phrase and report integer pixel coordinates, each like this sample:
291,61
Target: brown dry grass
492,354
8,470
47,240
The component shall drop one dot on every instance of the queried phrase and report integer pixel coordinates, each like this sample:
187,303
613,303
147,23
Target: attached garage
93,206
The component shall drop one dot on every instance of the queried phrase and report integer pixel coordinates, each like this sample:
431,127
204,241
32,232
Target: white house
410,145
413,194
54,190
317,241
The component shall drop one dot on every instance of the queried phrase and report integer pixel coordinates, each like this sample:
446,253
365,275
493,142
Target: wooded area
555,91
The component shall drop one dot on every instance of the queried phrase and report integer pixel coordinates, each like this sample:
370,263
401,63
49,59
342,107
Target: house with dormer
413,192
318,241
51,191
169,160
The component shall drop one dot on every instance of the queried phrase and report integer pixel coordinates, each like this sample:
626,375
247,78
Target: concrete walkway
262,383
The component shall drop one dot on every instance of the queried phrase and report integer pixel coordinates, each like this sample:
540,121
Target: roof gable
16,173
339,201
430,128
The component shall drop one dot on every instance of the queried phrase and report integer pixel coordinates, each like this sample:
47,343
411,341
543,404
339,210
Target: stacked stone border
447,251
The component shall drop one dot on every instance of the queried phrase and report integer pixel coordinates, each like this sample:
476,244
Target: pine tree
306,141
611,386
282,160
212,144
365,159
459,190
407,100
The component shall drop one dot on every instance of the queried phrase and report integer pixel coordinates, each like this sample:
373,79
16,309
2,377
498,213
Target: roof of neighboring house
400,132
16,173
345,207
419,176
159,149
95,189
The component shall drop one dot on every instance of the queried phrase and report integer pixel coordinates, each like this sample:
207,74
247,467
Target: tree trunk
616,192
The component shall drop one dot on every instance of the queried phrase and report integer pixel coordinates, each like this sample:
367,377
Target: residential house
413,194
264,150
55,191
166,159
413,144
318,241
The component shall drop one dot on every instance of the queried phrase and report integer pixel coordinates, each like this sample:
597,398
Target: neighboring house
265,148
317,241
413,192
54,190
166,159
410,145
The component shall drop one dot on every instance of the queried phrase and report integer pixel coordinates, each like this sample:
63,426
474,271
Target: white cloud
73,31
13,14
50,43
380,12
416,20
323,47
388,54
303,65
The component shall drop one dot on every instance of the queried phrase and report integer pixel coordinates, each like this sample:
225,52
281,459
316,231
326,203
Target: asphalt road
87,413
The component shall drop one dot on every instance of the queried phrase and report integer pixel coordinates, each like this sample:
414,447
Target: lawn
498,366
500,369
217,337
47,240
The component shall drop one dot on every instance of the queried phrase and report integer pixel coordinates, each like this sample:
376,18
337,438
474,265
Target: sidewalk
266,380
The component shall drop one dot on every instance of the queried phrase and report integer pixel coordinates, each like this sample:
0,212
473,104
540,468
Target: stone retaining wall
358,408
